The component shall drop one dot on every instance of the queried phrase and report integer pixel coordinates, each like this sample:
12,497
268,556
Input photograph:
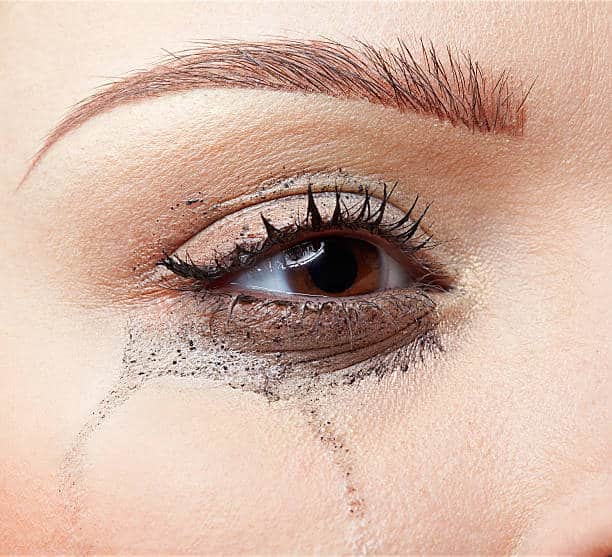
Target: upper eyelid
456,89
356,218
275,190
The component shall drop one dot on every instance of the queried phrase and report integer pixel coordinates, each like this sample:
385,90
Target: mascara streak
71,468
176,350
337,446
223,351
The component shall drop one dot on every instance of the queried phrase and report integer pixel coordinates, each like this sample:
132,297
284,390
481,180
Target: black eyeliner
400,233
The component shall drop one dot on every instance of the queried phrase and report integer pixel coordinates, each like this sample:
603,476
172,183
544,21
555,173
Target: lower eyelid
332,333
198,339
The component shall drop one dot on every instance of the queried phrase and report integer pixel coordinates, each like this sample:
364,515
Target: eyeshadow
302,353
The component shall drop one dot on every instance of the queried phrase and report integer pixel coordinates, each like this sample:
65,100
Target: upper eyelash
401,233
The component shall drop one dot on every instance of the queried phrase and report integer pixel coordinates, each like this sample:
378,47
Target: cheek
204,468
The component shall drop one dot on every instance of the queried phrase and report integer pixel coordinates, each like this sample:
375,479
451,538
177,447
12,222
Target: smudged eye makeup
331,277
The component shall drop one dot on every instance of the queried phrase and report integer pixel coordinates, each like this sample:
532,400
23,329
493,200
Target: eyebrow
451,87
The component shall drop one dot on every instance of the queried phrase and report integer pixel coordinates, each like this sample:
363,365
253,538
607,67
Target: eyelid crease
451,87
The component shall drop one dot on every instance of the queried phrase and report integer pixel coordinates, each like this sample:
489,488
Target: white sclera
271,274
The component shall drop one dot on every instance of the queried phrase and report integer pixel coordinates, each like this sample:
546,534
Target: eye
346,246
326,266
351,277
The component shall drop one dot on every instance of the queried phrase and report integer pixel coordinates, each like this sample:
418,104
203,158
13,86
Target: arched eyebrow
451,87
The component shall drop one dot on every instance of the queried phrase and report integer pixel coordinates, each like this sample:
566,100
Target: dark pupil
335,268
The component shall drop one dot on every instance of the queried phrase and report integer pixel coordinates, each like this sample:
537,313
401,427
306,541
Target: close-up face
306,278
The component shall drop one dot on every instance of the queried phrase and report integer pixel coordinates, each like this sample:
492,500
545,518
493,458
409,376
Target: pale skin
500,444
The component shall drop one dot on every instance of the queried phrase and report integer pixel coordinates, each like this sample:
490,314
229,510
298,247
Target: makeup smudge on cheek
177,349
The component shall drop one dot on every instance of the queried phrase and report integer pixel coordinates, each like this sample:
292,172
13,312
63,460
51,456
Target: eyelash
402,234
295,333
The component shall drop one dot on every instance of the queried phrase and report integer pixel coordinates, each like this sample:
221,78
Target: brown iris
335,266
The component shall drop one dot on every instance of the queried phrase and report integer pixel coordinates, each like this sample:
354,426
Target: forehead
59,68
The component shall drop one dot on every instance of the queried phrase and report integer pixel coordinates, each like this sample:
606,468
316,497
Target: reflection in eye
331,265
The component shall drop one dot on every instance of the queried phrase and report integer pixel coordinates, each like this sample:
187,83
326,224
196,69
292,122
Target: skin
502,443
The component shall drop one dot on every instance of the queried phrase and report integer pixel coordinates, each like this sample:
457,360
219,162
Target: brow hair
452,87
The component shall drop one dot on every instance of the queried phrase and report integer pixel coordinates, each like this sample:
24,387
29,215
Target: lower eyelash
181,349
333,333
